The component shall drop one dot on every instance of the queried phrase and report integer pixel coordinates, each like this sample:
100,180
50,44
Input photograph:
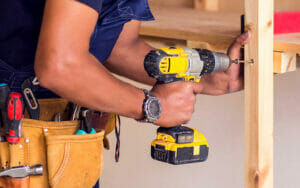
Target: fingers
197,87
176,98
240,41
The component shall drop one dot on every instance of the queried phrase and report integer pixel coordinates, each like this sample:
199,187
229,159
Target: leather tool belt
68,160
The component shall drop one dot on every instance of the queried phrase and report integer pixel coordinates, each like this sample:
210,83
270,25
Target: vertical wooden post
206,5
259,95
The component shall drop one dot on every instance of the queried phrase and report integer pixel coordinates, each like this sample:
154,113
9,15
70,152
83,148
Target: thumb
234,49
197,87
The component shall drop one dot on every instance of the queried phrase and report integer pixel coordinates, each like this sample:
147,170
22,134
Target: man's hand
177,101
231,80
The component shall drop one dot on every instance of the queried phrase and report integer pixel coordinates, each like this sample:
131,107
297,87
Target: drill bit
238,61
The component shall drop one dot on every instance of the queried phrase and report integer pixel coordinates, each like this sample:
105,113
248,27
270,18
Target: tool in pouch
29,87
33,131
181,144
12,108
15,109
86,122
19,176
23,171
4,92
87,116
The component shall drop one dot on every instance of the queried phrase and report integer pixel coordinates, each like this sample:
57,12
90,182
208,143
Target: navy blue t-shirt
20,22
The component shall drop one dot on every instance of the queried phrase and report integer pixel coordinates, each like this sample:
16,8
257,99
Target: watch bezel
148,116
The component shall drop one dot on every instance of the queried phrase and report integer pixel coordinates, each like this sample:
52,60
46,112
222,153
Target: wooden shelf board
194,25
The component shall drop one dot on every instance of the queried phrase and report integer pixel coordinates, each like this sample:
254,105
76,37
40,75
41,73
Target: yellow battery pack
179,145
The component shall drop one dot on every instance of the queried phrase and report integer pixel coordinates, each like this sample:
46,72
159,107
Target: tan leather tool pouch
68,160
74,160
7,182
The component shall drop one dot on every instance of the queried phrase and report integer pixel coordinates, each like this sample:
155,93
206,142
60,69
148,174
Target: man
80,42
78,36
64,64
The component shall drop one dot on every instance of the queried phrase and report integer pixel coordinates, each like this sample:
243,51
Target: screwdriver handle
15,108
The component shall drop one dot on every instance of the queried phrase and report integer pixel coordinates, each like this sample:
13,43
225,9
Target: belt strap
14,79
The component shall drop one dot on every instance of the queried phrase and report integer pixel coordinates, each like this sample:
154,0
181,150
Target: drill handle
166,79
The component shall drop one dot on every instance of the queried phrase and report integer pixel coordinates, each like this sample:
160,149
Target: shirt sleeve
95,4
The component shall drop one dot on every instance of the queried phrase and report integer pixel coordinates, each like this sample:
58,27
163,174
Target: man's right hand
177,101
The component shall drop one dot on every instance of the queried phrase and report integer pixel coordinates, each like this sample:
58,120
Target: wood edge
284,62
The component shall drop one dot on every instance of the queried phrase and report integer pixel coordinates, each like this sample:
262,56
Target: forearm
85,81
64,64
129,61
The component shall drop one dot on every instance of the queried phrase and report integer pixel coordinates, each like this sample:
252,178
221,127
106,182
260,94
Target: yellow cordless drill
181,144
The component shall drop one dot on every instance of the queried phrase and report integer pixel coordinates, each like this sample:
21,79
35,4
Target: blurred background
221,120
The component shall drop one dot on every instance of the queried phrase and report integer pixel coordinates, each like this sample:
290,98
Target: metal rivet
27,140
45,130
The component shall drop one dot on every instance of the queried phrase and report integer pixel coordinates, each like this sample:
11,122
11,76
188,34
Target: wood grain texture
213,28
157,42
192,25
171,3
206,5
259,94
284,62
216,47
236,6
287,42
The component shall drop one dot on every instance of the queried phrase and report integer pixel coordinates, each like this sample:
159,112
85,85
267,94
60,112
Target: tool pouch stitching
28,152
61,169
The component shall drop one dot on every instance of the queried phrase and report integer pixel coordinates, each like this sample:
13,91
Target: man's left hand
231,80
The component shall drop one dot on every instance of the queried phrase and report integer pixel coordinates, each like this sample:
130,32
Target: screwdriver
15,107
4,92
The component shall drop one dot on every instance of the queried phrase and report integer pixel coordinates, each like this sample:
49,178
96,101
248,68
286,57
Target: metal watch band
148,117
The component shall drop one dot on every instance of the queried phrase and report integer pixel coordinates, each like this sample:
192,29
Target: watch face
154,108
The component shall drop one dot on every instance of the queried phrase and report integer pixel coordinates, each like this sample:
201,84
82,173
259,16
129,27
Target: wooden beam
259,95
217,47
172,3
206,5
210,27
287,42
158,42
284,62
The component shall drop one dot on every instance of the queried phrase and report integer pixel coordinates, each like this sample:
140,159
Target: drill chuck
222,62
206,62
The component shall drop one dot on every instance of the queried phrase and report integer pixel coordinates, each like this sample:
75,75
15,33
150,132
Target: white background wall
221,120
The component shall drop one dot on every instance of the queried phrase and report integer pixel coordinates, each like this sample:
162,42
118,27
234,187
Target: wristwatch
151,108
